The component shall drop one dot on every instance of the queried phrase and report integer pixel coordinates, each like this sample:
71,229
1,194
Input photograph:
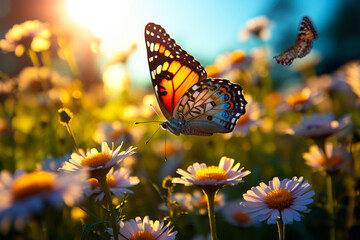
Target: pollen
241,218
279,199
96,160
109,178
32,183
142,235
212,172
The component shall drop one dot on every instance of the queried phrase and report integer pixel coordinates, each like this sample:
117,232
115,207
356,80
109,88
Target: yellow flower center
334,161
237,56
142,235
279,199
96,160
31,184
298,99
109,178
212,172
241,218
243,120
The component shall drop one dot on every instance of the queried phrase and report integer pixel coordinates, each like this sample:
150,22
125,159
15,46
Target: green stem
73,138
281,229
105,187
329,192
210,197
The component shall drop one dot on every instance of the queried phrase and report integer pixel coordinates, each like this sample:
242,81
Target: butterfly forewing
173,71
306,30
212,105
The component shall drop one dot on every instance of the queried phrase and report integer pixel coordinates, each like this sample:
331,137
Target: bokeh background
98,52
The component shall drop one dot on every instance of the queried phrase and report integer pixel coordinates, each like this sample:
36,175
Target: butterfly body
303,45
192,103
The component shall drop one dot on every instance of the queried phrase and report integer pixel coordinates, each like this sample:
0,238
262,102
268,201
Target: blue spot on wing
225,97
226,105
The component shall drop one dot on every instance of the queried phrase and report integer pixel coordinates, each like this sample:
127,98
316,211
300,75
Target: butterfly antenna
148,122
152,135
156,112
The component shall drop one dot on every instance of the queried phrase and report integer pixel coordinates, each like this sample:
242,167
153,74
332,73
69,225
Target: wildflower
336,158
118,180
25,194
37,80
7,88
279,200
320,126
65,116
257,27
235,213
352,76
300,100
96,161
31,34
144,229
203,176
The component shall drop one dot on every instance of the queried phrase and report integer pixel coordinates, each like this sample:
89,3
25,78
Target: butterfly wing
303,45
306,30
211,106
173,71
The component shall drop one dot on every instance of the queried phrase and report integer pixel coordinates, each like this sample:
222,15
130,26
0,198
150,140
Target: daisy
235,213
300,100
118,180
26,194
30,34
336,158
144,229
202,176
97,162
320,126
257,27
279,200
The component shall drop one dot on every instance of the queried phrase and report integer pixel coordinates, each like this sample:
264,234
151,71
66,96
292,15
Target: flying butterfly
303,45
192,103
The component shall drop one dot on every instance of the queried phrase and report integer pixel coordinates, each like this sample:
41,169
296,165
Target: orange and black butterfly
192,103
303,45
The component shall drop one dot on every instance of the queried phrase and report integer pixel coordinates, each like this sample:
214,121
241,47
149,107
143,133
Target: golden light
107,19
115,80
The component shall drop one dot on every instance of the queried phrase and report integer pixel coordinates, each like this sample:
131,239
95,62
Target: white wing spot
152,47
152,34
195,87
147,43
158,69
147,32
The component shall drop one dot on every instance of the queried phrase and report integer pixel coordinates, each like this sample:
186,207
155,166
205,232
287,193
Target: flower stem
210,197
330,206
281,229
73,138
105,187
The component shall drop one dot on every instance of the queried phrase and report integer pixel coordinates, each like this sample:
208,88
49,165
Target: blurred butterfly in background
303,45
192,103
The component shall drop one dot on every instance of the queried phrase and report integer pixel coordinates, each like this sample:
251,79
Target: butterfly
303,45
192,103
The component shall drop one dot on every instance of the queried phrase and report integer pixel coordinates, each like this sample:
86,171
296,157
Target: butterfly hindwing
212,105
173,71
303,45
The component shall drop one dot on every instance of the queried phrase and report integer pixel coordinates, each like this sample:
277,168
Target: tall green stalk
281,229
105,187
210,197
